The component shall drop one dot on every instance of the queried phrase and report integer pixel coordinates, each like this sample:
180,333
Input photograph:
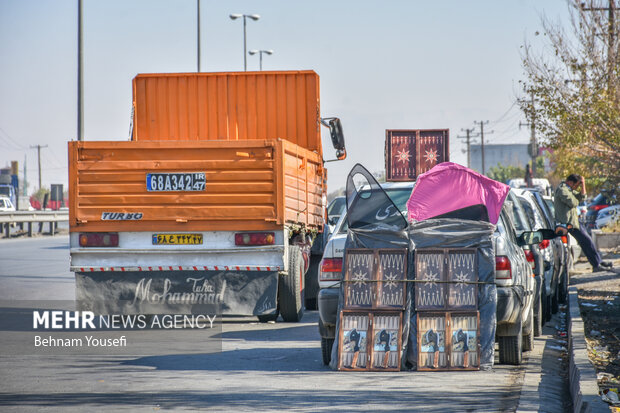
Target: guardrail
30,217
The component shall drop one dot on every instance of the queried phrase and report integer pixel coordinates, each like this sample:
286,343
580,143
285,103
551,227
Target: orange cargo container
250,185
228,106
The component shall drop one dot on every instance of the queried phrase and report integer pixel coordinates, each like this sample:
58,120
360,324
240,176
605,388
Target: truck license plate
175,181
177,239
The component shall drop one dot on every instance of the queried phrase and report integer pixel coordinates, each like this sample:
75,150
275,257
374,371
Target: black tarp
375,222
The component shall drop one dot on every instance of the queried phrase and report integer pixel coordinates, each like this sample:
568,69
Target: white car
6,205
608,216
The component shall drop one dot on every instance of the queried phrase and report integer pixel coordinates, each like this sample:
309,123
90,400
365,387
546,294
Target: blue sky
383,65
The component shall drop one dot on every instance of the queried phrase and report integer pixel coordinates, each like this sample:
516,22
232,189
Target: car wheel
290,290
528,339
554,300
311,289
326,349
547,310
510,348
563,287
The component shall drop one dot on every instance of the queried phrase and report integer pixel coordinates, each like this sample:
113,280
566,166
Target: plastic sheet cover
374,222
460,233
434,193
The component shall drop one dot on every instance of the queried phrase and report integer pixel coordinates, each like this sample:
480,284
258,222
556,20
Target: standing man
568,195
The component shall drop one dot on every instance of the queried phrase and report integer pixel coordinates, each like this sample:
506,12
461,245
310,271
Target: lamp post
253,17
260,54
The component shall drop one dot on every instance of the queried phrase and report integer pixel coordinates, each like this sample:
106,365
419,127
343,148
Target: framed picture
386,341
462,274
430,289
391,286
359,277
446,279
353,341
432,351
464,348
448,341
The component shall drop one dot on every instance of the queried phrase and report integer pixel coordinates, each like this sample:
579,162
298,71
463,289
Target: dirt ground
599,302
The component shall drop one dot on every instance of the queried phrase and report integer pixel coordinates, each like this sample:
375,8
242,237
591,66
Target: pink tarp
449,186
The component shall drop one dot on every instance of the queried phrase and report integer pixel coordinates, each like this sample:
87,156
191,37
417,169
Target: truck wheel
290,290
510,348
326,349
311,290
528,338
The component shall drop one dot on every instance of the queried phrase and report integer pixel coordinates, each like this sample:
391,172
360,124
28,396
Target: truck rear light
543,244
529,255
99,239
331,269
255,238
503,270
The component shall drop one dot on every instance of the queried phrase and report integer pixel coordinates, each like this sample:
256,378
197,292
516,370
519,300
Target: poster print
432,352
392,274
462,269
464,341
353,340
432,146
430,292
386,341
359,279
401,155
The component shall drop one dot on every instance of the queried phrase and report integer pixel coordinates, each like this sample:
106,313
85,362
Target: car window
336,206
399,196
519,220
509,226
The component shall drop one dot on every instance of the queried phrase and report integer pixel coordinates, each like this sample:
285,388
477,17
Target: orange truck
216,199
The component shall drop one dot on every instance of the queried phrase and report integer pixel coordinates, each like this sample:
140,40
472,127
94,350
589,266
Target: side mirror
335,131
530,238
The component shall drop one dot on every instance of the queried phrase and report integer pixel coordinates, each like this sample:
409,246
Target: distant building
506,155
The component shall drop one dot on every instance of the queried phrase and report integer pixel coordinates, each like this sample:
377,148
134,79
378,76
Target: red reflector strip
175,268
98,239
255,238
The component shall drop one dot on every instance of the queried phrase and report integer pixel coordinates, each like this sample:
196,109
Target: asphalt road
262,367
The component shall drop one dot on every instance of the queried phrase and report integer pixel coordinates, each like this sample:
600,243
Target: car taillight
331,269
544,244
255,238
99,239
529,255
565,239
503,270
597,207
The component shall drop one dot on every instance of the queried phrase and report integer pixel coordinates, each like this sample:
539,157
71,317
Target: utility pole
198,33
533,143
482,123
80,96
468,142
39,155
611,34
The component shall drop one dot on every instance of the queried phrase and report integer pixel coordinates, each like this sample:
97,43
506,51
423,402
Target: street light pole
260,53
253,17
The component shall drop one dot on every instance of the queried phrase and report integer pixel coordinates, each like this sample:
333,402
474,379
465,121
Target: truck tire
326,349
311,290
528,338
290,290
510,348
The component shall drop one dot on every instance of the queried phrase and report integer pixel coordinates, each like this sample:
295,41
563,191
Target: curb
582,376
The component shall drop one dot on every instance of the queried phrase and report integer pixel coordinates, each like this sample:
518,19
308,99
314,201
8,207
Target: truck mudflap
159,292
